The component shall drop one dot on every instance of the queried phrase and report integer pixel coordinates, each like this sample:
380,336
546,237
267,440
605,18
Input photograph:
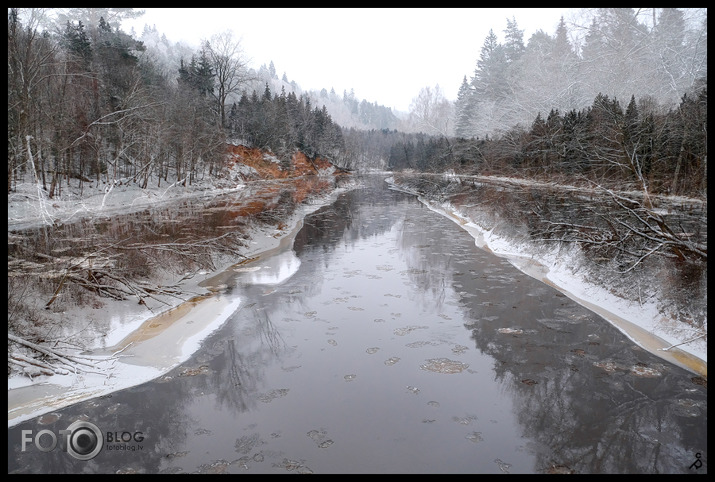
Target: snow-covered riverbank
641,321
141,344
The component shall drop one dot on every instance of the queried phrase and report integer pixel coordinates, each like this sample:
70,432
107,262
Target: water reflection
397,346
273,270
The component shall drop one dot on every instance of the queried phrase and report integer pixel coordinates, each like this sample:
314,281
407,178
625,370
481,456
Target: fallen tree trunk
75,363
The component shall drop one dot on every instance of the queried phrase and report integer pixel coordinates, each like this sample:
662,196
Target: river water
384,341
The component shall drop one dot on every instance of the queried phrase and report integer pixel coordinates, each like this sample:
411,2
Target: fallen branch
33,363
75,363
31,370
632,230
684,342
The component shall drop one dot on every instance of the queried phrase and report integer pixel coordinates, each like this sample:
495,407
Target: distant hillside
346,109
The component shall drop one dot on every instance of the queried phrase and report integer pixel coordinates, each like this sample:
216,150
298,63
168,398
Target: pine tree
203,75
490,85
562,47
77,43
593,51
198,75
463,110
562,64
489,79
513,41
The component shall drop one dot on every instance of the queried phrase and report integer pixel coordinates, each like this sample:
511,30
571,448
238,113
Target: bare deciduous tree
29,64
230,68
432,112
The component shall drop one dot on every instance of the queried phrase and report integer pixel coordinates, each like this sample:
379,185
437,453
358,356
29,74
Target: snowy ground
642,322
29,207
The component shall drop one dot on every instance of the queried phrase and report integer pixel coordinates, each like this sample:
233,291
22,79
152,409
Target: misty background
655,53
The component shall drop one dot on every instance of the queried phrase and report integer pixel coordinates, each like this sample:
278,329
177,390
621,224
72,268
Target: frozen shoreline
641,323
151,344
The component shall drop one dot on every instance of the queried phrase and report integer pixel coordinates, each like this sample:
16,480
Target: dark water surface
396,346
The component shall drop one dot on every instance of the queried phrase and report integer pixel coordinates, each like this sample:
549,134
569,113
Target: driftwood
634,230
57,362
32,366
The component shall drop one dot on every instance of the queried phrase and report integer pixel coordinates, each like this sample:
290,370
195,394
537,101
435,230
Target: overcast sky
385,55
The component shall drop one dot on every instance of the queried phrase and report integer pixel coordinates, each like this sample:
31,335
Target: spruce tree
463,108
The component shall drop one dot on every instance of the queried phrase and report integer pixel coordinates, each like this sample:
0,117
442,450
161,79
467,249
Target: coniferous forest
625,107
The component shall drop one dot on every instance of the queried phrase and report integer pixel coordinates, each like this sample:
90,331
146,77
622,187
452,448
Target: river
383,340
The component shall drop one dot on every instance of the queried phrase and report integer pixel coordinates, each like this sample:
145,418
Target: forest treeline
88,104
637,146
656,53
283,123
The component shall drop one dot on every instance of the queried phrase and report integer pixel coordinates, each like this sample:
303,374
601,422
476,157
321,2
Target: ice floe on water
444,365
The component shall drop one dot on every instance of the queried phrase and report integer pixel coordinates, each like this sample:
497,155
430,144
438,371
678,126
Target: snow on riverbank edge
155,356
642,323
